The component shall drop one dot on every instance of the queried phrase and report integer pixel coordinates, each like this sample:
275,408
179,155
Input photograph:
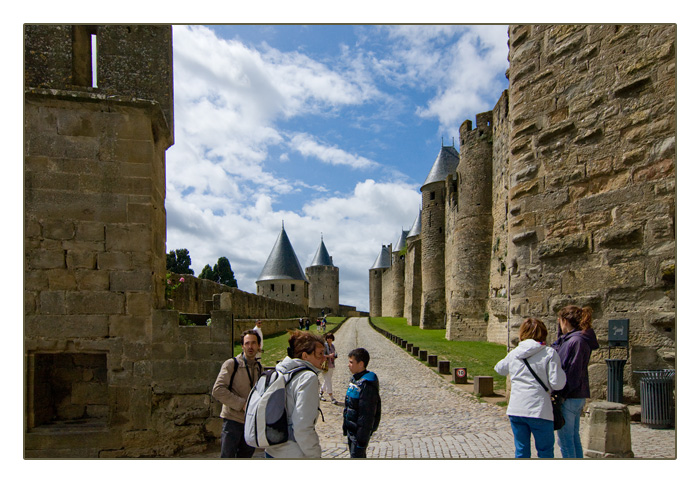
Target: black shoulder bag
556,400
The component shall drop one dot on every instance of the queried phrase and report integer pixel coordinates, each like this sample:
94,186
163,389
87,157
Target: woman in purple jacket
574,346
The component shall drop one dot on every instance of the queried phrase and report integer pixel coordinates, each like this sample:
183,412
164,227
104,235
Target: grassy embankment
276,344
478,357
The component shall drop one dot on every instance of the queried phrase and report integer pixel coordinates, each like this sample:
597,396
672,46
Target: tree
178,261
208,273
221,273
223,268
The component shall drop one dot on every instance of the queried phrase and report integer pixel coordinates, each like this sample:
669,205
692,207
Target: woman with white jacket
530,406
305,349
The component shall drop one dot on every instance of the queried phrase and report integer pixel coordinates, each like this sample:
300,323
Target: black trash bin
657,398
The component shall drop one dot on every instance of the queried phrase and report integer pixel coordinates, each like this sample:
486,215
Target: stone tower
380,265
323,282
412,274
469,227
282,277
433,239
94,236
393,280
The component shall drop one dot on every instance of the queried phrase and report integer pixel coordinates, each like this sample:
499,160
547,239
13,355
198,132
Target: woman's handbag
324,366
557,401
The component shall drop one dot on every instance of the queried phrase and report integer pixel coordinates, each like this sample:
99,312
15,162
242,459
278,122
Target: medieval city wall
195,296
579,205
592,195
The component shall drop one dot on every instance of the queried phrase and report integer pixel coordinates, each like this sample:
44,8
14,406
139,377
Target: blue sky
331,129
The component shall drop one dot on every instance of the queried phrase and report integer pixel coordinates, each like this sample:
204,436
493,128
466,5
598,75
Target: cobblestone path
423,416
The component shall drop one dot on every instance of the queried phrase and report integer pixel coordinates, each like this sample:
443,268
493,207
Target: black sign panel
618,332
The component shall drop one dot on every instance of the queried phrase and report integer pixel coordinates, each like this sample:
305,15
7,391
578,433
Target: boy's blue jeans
568,436
541,429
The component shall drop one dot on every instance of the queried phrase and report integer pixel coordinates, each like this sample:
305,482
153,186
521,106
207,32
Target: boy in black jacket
363,406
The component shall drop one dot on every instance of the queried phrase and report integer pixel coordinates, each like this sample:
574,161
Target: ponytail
586,318
579,318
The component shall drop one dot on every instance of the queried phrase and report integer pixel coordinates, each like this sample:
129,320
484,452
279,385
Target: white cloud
308,146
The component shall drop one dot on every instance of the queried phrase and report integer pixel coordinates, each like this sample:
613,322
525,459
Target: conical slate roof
384,259
415,229
445,164
322,257
282,264
401,243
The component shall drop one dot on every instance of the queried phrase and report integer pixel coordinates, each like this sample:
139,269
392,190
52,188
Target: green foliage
223,269
221,273
208,273
478,357
179,261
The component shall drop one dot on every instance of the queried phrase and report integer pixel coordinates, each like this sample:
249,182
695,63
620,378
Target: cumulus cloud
241,145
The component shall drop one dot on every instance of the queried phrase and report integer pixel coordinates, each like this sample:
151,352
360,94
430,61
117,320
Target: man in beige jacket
235,381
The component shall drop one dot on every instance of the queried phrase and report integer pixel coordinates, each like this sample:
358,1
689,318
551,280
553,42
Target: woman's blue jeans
568,436
541,429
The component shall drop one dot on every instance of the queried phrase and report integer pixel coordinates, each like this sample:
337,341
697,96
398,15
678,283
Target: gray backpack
266,410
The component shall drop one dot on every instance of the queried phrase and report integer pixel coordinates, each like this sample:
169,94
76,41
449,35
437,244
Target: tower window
85,55
293,287
432,195
272,287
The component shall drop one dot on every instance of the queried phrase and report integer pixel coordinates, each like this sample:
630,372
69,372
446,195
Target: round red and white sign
461,373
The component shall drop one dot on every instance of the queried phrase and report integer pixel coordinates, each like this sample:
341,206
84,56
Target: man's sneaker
322,398
335,401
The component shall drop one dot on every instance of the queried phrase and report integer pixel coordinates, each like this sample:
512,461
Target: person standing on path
258,329
574,345
363,405
530,406
231,389
302,403
331,356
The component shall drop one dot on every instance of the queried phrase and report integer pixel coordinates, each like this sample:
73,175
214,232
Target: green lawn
276,344
478,357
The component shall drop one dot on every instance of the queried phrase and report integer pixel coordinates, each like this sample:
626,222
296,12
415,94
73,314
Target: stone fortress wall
109,370
564,194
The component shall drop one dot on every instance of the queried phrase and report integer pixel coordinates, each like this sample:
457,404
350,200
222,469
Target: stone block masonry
564,194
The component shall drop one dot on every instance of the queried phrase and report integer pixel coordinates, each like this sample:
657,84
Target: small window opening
293,287
85,55
272,287
432,195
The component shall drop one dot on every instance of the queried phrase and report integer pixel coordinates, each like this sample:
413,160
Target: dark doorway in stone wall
67,390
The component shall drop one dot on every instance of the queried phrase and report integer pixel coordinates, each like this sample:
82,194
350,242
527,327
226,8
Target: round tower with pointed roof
282,277
412,274
433,239
393,280
324,283
380,265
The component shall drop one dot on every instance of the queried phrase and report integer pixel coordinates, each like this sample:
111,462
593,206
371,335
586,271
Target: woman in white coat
530,406
305,349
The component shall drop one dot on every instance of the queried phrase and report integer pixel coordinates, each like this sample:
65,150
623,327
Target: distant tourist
530,405
318,325
363,405
301,323
574,345
331,356
305,350
308,324
258,329
233,384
